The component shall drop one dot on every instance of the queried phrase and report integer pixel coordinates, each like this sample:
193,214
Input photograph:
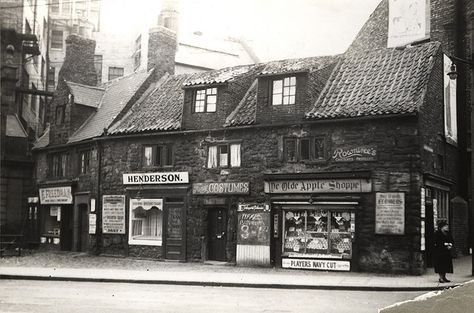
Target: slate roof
297,65
218,76
385,81
161,110
245,112
117,94
86,95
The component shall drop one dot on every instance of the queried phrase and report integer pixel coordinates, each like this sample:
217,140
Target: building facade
333,163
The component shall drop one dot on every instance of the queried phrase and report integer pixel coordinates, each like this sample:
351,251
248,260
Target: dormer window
205,100
284,91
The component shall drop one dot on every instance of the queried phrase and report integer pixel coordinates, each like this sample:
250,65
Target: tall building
24,57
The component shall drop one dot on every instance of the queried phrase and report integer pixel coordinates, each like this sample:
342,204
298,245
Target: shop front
156,205
220,201
56,218
314,218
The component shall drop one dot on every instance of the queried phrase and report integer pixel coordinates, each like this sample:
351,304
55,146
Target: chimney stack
78,66
161,51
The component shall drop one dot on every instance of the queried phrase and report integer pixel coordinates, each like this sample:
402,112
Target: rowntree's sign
363,153
156,178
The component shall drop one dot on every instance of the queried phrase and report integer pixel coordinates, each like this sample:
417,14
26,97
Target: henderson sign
156,178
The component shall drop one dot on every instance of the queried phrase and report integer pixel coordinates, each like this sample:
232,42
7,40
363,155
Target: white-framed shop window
146,222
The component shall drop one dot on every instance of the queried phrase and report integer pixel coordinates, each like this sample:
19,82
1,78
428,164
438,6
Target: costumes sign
221,188
156,178
326,265
390,213
56,195
319,186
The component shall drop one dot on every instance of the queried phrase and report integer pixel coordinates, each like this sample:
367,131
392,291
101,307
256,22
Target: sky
275,29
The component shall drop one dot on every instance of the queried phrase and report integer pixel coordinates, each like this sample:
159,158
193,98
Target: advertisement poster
113,214
253,224
390,213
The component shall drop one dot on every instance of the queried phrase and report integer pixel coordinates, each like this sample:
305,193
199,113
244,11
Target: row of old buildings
340,162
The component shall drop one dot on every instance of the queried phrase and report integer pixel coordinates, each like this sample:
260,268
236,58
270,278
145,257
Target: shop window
146,221
84,161
304,149
440,204
158,155
115,72
318,233
284,91
57,39
57,164
224,155
205,100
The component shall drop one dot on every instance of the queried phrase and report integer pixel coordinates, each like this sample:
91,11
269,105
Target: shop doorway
174,247
83,227
66,227
217,226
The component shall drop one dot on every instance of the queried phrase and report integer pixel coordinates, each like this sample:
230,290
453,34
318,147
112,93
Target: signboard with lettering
253,224
56,195
92,223
326,265
349,185
362,153
156,178
237,188
390,213
113,214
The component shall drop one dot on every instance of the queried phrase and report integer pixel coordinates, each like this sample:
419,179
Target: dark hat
441,224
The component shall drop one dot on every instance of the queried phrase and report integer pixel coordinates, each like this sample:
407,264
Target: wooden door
83,228
174,239
217,219
66,227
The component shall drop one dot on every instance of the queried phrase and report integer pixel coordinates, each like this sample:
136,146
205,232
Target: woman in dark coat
443,244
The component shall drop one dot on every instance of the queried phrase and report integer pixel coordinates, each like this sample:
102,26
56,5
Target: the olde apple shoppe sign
349,185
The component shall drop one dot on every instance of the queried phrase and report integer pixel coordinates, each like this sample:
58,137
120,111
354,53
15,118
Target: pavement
71,266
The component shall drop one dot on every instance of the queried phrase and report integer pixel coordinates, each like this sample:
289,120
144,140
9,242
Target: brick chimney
161,51
64,116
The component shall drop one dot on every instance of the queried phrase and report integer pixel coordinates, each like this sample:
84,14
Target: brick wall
161,51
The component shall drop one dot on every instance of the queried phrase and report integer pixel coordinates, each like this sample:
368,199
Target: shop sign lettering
156,178
363,153
390,213
319,186
56,195
326,265
113,214
221,188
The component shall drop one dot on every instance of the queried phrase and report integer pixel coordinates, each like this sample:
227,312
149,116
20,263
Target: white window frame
284,91
205,100
232,157
135,240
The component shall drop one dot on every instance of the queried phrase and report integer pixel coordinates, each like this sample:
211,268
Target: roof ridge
357,54
86,86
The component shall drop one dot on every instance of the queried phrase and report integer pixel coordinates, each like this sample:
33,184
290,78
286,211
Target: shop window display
322,233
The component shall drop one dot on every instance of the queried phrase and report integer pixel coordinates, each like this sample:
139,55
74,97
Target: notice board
113,214
253,224
390,213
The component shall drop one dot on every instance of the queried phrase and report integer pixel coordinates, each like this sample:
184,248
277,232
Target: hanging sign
390,213
236,188
113,214
56,195
156,178
319,186
362,153
326,265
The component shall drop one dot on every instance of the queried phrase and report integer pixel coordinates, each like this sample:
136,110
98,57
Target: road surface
58,296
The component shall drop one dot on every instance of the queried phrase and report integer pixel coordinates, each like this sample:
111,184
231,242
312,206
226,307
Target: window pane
290,150
159,156
277,99
319,148
211,103
147,224
286,100
169,156
199,106
235,155
293,80
304,149
223,156
148,156
212,157
291,100
277,86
